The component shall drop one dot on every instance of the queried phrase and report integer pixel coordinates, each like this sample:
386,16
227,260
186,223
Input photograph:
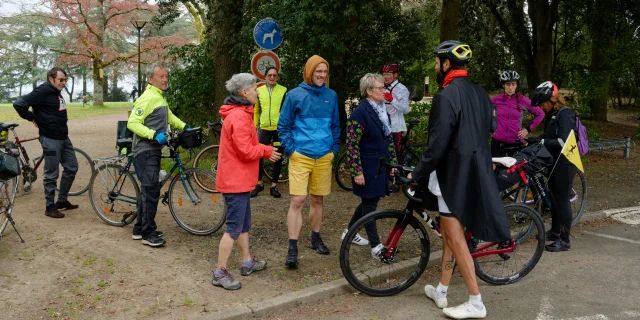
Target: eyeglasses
272,76
378,88
62,79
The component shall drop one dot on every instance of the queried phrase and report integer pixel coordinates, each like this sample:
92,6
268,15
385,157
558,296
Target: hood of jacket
226,109
312,88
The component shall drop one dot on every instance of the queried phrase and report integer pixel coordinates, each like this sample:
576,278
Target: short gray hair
152,68
368,81
240,81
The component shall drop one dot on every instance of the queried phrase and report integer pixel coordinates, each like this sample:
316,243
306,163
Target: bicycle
408,156
85,164
8,190
407,247
114,193
207,158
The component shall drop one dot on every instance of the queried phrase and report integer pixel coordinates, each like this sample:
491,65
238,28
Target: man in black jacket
456,167
49,115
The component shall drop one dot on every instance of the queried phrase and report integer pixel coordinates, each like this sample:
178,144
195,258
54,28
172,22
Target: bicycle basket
124,136
9,166
190,138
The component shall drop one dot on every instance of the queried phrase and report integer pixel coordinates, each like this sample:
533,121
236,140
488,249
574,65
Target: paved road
598,280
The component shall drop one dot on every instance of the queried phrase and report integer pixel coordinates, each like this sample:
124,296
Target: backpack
581,137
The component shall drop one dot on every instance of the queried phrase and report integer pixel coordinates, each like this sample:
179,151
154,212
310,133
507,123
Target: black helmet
507,76
543,93
456,51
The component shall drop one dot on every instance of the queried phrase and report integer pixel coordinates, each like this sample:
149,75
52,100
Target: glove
161,137
388,97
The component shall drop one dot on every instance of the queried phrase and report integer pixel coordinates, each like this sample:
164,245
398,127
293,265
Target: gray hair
368,81
152,68
240,81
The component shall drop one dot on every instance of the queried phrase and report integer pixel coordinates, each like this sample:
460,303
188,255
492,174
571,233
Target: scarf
454,74
381,110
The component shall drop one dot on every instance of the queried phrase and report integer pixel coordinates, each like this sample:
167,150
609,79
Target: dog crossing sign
267,34
263,60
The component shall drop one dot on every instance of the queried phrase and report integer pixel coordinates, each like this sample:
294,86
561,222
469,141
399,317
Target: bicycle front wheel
578,197
114,194
343,174
83,175
527,231
195,209
207,160
377,276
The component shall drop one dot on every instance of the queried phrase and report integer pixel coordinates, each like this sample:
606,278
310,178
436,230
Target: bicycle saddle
6,126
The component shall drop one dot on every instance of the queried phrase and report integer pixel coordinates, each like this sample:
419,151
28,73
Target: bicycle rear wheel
195,209
343,174
83,175
371,275
114,193
578,197
267,169
207,160
527,231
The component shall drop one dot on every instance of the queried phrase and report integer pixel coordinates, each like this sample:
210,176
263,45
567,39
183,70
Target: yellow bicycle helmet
456,51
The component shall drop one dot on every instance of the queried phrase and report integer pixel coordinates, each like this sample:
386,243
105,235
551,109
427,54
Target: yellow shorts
305,172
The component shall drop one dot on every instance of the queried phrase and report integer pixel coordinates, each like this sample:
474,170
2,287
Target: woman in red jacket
237,175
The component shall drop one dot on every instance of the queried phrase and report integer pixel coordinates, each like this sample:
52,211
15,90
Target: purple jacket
509,112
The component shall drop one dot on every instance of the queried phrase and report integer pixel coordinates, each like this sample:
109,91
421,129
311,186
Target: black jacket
557,125
460,125
49,111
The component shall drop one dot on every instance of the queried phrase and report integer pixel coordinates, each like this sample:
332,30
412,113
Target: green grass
75,111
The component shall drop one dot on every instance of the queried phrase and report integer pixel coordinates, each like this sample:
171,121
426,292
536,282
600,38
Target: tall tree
449,18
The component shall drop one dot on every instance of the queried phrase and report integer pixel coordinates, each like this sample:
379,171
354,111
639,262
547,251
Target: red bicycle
29,171
406,246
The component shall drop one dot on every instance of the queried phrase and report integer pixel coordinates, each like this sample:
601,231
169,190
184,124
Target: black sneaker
153,240
139,236
274,192
292,258
54,213
256,190
551,236
318,246
558,245
66,205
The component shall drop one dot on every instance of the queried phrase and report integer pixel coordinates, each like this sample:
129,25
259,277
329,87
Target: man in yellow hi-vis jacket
149,122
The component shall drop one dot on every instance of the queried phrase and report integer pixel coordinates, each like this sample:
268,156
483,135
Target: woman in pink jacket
237,176
510,109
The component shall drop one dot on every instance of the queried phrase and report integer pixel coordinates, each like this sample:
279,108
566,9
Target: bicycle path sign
267,34
262,60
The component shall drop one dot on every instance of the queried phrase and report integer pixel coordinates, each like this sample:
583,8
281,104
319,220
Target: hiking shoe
430,291
375,251
54,213
558,245
292,258
465,311
256,190
66,205
357,239
139,236
551,236
256,265
225,280
153,240
318,246
274,192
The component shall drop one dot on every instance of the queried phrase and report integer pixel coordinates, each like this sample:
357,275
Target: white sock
441,290
476,301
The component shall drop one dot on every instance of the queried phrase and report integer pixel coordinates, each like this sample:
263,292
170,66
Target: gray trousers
56,153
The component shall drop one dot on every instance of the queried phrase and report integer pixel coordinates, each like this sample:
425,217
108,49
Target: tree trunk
449,18
84,81
602,38
105,87
70,92
98,100
34,66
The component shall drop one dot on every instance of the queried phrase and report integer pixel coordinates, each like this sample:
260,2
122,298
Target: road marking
629,215
546,307
611,237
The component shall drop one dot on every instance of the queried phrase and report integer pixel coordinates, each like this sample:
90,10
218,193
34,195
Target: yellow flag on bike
571,152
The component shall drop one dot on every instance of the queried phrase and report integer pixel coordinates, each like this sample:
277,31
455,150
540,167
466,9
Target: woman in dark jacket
558,123
368,140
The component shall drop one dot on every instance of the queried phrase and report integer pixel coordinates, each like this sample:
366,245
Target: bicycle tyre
207,159
83,178
343,174
526,239
581,201
267,169
357,278
103,200
208,217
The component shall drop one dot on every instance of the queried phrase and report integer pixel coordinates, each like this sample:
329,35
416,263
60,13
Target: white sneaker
465,311
376,250
357,239
430,291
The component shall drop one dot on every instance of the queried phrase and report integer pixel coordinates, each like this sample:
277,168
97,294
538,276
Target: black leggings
267,137
366,206
560,184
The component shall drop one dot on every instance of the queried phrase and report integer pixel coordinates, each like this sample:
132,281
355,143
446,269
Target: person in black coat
456,167
558,123
368,140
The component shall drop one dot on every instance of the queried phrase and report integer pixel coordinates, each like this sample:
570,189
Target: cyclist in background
265,116
510,109
397,102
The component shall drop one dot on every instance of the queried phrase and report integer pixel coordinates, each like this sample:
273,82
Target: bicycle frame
24,157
